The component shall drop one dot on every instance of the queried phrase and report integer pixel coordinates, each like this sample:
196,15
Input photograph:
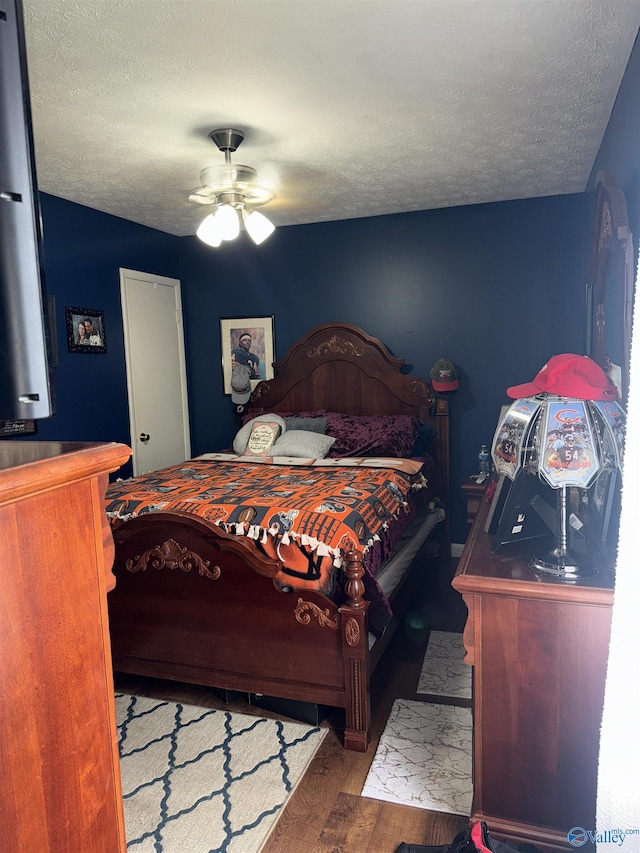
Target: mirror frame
612,259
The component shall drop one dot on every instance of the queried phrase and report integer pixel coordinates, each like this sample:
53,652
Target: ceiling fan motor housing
227,139
230,184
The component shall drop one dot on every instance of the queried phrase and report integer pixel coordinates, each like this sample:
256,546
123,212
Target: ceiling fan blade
203,195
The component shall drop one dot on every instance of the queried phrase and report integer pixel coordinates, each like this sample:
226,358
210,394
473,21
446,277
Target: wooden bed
196,604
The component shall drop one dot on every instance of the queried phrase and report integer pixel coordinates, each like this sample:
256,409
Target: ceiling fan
234,191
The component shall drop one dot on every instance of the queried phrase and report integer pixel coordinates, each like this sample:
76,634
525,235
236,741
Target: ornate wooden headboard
340,368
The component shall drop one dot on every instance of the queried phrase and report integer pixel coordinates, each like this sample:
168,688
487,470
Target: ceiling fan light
258,226
232,188
227,222
209,232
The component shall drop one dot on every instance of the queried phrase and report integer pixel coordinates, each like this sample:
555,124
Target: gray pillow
300,442
307,424
242,436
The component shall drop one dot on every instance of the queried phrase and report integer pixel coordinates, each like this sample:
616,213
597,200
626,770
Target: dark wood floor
326,813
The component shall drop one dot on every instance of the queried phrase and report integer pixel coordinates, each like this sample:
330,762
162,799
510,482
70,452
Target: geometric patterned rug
423,758
198,780
444,672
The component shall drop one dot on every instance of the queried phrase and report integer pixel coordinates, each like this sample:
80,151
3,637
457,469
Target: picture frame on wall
609,296
250,341
86,331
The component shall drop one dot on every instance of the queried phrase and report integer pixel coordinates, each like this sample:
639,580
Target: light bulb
209,232
258,226
227,222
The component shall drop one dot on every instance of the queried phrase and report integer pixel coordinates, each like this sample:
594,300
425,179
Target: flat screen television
24,373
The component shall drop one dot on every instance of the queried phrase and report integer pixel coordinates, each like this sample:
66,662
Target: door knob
144,437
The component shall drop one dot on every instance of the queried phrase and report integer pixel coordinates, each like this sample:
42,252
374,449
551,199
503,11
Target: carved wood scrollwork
352,632
336,344
356,680
304,610
171,555
260,389
418,386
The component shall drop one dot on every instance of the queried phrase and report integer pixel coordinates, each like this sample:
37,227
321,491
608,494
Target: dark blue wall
497,288
83,251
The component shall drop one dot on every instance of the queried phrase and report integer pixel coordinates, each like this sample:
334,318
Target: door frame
182,364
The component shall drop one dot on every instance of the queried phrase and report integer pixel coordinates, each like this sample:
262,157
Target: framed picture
610,290
250,341
9,428
85,330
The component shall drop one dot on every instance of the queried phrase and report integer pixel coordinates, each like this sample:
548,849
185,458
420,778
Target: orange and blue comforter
308,515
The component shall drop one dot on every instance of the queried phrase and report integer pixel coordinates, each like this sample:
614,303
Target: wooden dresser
539,650
474,493
59,767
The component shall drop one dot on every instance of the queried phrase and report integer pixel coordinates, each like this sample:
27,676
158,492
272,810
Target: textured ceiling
350,108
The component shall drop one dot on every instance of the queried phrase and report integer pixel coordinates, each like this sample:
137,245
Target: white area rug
424,758
198,780
443,671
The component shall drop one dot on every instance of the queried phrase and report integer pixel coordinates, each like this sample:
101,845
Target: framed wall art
249,341
86,331
610,290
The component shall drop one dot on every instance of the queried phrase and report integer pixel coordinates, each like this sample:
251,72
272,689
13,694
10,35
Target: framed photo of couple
85,330
250,341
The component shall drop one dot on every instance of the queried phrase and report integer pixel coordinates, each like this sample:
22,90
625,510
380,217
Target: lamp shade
227,222
209,232
258,226
512,436
569,451
610,419
567,442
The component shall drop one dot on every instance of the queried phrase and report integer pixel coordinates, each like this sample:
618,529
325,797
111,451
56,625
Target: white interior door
156,370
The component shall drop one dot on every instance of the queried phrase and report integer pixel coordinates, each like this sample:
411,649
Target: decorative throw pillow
315,424
368,435
298,442
263,434
242,436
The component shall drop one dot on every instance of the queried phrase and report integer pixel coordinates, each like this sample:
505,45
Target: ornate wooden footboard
199,605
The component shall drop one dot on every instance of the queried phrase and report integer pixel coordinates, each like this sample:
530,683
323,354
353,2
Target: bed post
355,657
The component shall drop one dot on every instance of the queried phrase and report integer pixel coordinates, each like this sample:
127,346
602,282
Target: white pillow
300,442
242,436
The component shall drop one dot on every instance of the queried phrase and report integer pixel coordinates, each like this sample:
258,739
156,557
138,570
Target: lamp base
563,564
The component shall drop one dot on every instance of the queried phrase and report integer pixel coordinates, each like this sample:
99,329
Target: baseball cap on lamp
568,375
443,375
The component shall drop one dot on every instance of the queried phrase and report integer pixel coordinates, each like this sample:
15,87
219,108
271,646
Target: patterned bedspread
308,514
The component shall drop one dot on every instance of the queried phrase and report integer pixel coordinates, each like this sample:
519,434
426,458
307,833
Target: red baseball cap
568,375
443,375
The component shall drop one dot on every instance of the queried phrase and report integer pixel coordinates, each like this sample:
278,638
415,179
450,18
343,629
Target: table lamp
567,427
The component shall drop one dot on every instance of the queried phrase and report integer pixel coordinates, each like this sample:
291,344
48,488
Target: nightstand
474,492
